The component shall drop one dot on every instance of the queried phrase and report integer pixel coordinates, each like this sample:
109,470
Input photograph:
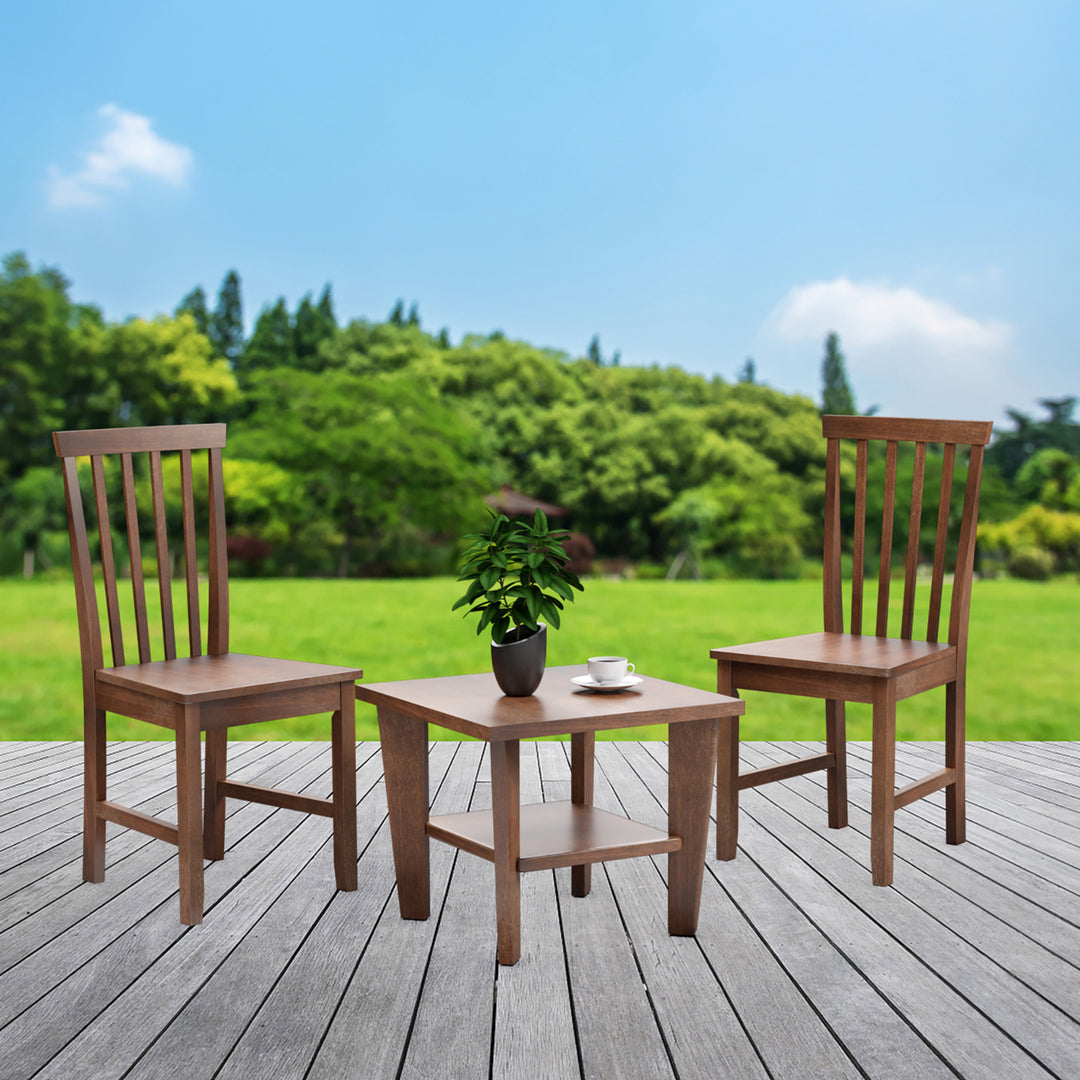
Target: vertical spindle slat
108,567
218,634
833,588
933,621
161,546
138,591
191,563
965,553
859,553
886,540
85,594
907,621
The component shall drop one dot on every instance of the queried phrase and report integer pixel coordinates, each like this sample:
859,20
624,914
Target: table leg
403,741
343,758
582,747
506,820
691,761
727,770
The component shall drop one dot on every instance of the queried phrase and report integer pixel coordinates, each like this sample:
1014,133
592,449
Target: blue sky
695,182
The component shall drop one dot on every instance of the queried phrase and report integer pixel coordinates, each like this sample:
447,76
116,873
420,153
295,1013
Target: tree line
367,448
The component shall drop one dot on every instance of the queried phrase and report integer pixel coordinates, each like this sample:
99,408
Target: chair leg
217,742
955,795
93,793
883,783
836,775
189,816
727,772
343,750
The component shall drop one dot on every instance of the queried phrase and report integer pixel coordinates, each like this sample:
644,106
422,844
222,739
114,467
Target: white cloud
129,148
875,316
907,353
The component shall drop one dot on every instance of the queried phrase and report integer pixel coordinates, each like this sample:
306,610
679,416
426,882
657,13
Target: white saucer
587,682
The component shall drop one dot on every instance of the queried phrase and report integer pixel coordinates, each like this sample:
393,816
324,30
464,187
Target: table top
474,704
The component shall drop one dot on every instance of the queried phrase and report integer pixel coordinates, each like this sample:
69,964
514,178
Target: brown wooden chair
878,669
195,693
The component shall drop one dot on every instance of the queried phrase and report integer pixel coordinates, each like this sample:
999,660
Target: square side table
520,838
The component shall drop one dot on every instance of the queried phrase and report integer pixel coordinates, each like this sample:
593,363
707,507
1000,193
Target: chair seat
848,654
192,679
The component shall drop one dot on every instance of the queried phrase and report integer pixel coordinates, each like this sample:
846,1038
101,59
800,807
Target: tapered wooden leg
883,783
955,795
691,760
727,771
189,816
506,819
836,775
343,751
404,745
582,750
93,792
217,742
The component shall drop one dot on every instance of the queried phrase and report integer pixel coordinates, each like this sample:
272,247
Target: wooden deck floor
968,966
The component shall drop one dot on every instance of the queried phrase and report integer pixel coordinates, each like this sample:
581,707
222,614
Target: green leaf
562,588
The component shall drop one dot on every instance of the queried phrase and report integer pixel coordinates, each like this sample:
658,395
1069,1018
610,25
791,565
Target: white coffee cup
609,669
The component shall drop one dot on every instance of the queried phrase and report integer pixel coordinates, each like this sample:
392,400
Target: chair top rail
135,439
900,429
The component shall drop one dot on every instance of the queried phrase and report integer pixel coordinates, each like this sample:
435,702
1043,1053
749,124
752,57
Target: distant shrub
1031,563
1052,531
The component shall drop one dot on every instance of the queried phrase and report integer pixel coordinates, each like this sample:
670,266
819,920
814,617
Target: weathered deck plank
967,966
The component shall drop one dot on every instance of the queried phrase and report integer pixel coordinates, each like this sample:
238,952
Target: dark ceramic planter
519,665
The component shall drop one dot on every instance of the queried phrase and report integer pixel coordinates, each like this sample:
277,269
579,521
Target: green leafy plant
517,576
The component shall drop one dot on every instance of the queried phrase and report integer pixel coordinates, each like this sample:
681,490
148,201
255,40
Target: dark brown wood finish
582,753
404,744
533,837
506,827
558,834
193,694
161,547
879,670
474,705
692,758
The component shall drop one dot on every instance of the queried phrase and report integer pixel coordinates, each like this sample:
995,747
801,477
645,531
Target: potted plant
517,577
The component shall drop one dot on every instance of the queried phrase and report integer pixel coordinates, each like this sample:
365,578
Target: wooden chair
195,693
878,669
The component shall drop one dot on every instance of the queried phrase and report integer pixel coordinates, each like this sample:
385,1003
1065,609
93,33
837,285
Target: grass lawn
1023,669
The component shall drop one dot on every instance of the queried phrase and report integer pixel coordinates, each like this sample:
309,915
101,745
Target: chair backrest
951,434
127,442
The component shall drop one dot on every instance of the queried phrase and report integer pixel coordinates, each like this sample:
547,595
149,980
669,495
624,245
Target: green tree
163,371
194,304
1050,477
748,372
414,315
1058,431
593,352
325,308
271,341
397,314
51,364
380,456
836,395
227,323
306,334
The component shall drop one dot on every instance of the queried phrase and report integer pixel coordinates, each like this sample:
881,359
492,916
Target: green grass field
1023,670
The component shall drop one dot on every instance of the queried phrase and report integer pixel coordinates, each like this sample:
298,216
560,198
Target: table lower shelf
556,834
